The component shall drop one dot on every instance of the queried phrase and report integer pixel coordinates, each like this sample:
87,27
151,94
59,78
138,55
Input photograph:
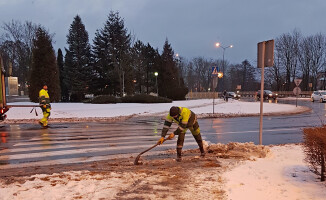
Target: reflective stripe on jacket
44,98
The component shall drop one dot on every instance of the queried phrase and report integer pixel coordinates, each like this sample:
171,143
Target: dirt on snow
157,177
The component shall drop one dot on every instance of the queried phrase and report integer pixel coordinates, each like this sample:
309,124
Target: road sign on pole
265,58
214,70
297,82
297,91
265,54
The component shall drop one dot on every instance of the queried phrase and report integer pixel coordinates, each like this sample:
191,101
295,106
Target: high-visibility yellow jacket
185,119
44,98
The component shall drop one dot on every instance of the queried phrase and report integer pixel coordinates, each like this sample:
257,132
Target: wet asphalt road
276,129
26,145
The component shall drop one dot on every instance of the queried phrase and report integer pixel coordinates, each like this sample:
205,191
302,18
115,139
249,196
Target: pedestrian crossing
79,144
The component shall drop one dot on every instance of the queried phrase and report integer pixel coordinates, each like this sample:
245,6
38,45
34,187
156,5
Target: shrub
144,98
315,149
102,99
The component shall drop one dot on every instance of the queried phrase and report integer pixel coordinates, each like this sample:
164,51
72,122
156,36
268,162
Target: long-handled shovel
137,158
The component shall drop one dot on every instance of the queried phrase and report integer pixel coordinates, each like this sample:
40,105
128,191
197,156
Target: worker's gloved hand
160,141
44,106
171,136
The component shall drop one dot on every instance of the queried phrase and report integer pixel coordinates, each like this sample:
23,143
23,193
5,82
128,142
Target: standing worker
44,100
185,119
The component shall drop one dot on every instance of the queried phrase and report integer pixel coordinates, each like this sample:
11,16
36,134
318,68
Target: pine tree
112,56
44,67
63,86
138,51
152,64
77,60
170,85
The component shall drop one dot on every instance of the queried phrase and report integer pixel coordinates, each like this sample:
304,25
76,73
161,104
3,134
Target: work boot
202,152
178,155
200,144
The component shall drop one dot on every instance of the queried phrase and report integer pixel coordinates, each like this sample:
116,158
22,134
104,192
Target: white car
319,95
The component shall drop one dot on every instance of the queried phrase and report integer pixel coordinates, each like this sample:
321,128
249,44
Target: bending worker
185,119
44,100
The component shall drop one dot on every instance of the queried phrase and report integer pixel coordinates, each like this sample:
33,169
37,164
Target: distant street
27,145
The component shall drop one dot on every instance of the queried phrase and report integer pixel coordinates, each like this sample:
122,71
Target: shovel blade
136,160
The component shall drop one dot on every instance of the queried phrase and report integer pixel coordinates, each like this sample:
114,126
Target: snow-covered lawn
200,107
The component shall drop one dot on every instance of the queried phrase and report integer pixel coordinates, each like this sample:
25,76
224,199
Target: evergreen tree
77,60
112,56
152,63
44,67
138,51
170,85
63,86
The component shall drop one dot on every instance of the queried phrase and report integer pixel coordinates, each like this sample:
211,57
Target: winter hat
174,111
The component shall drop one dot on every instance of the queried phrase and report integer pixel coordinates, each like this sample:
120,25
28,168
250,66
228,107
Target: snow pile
239,150
282,175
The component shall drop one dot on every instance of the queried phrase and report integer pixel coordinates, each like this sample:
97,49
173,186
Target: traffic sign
296,91
215,70
297,81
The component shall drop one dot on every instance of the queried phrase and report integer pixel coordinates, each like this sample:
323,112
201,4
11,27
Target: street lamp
223,47
156,74
178,66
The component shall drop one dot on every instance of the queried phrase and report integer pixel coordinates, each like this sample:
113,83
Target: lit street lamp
219,45
156,74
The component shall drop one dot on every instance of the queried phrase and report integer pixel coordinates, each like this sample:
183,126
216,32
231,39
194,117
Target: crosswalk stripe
78,160
53,141
76,151
90,137
70,152
252,131
58,146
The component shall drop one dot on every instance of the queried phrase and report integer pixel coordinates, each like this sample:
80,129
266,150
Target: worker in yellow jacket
45,105
186,119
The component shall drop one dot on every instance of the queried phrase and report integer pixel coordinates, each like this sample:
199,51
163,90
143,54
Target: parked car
267,95
233,95
319,95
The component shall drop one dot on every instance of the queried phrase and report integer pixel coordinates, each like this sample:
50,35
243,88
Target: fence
209,95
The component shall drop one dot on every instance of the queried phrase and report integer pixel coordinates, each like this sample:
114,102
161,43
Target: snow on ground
203,106
281,175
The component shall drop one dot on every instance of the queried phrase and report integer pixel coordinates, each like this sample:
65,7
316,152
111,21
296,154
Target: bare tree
287,47
317,56
305,61
16,44
202,73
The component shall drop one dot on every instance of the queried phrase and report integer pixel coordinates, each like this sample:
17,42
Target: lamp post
156,74
223,47
178,61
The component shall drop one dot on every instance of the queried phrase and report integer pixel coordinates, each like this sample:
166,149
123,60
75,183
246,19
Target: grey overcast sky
191,26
